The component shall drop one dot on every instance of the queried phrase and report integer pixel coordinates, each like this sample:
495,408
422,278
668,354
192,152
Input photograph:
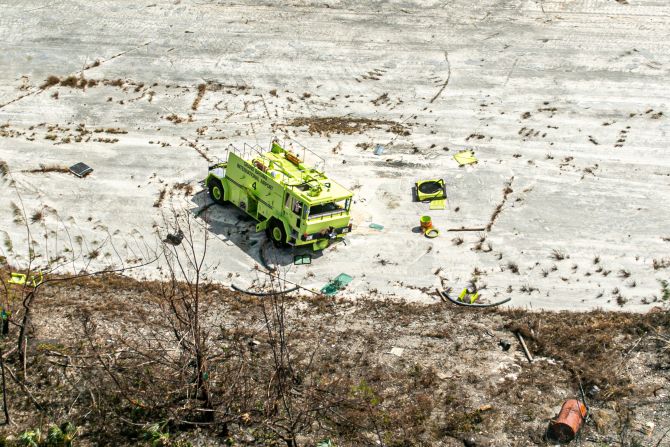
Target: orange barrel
565,427
426,223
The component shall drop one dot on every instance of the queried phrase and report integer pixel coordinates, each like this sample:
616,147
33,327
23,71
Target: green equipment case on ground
294,203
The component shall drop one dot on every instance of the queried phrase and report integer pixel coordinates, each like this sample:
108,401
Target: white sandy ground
588,72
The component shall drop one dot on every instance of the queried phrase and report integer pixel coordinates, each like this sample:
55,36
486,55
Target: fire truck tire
276,233
216,192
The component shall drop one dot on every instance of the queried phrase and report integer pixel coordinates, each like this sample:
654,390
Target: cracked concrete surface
569,98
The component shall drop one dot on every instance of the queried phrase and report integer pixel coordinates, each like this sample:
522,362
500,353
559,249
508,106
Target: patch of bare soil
107,354
345,125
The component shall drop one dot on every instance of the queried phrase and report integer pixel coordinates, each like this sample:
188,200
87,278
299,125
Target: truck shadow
233,227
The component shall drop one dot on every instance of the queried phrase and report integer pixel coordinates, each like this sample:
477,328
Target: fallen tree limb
525,348
445,296
249,292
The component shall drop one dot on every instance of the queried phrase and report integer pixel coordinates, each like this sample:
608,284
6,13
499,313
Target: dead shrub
202,88
71,81
37,216
661,263
50,81
557,255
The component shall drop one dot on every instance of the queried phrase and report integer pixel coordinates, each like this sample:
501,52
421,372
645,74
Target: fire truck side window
293,204
297,207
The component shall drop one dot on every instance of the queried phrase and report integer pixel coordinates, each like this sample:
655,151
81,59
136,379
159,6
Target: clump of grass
161,197
115,130
114,82
457,240
528,289
187,188
38,216
596,260
70,81
4,169
620,300
513,267
557,255
665,289
17,213
661,263
623,273
50,81
8,244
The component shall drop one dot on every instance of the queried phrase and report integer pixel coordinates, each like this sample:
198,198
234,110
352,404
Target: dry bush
114,82
49,168
161,197
70,81
202,88
50,81
345,125
589,345
186,188
557,255
37,216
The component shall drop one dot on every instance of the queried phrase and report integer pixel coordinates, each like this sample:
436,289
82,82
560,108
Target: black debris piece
81,169
174,239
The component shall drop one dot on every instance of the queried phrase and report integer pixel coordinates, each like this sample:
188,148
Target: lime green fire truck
294,203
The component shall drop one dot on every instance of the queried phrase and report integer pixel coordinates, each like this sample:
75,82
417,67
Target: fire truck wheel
277,233
216,192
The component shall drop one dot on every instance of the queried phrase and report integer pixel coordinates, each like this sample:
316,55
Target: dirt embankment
111,355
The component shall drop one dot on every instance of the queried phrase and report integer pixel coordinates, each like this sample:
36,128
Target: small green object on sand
438,204
465,158
302,259
337,284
